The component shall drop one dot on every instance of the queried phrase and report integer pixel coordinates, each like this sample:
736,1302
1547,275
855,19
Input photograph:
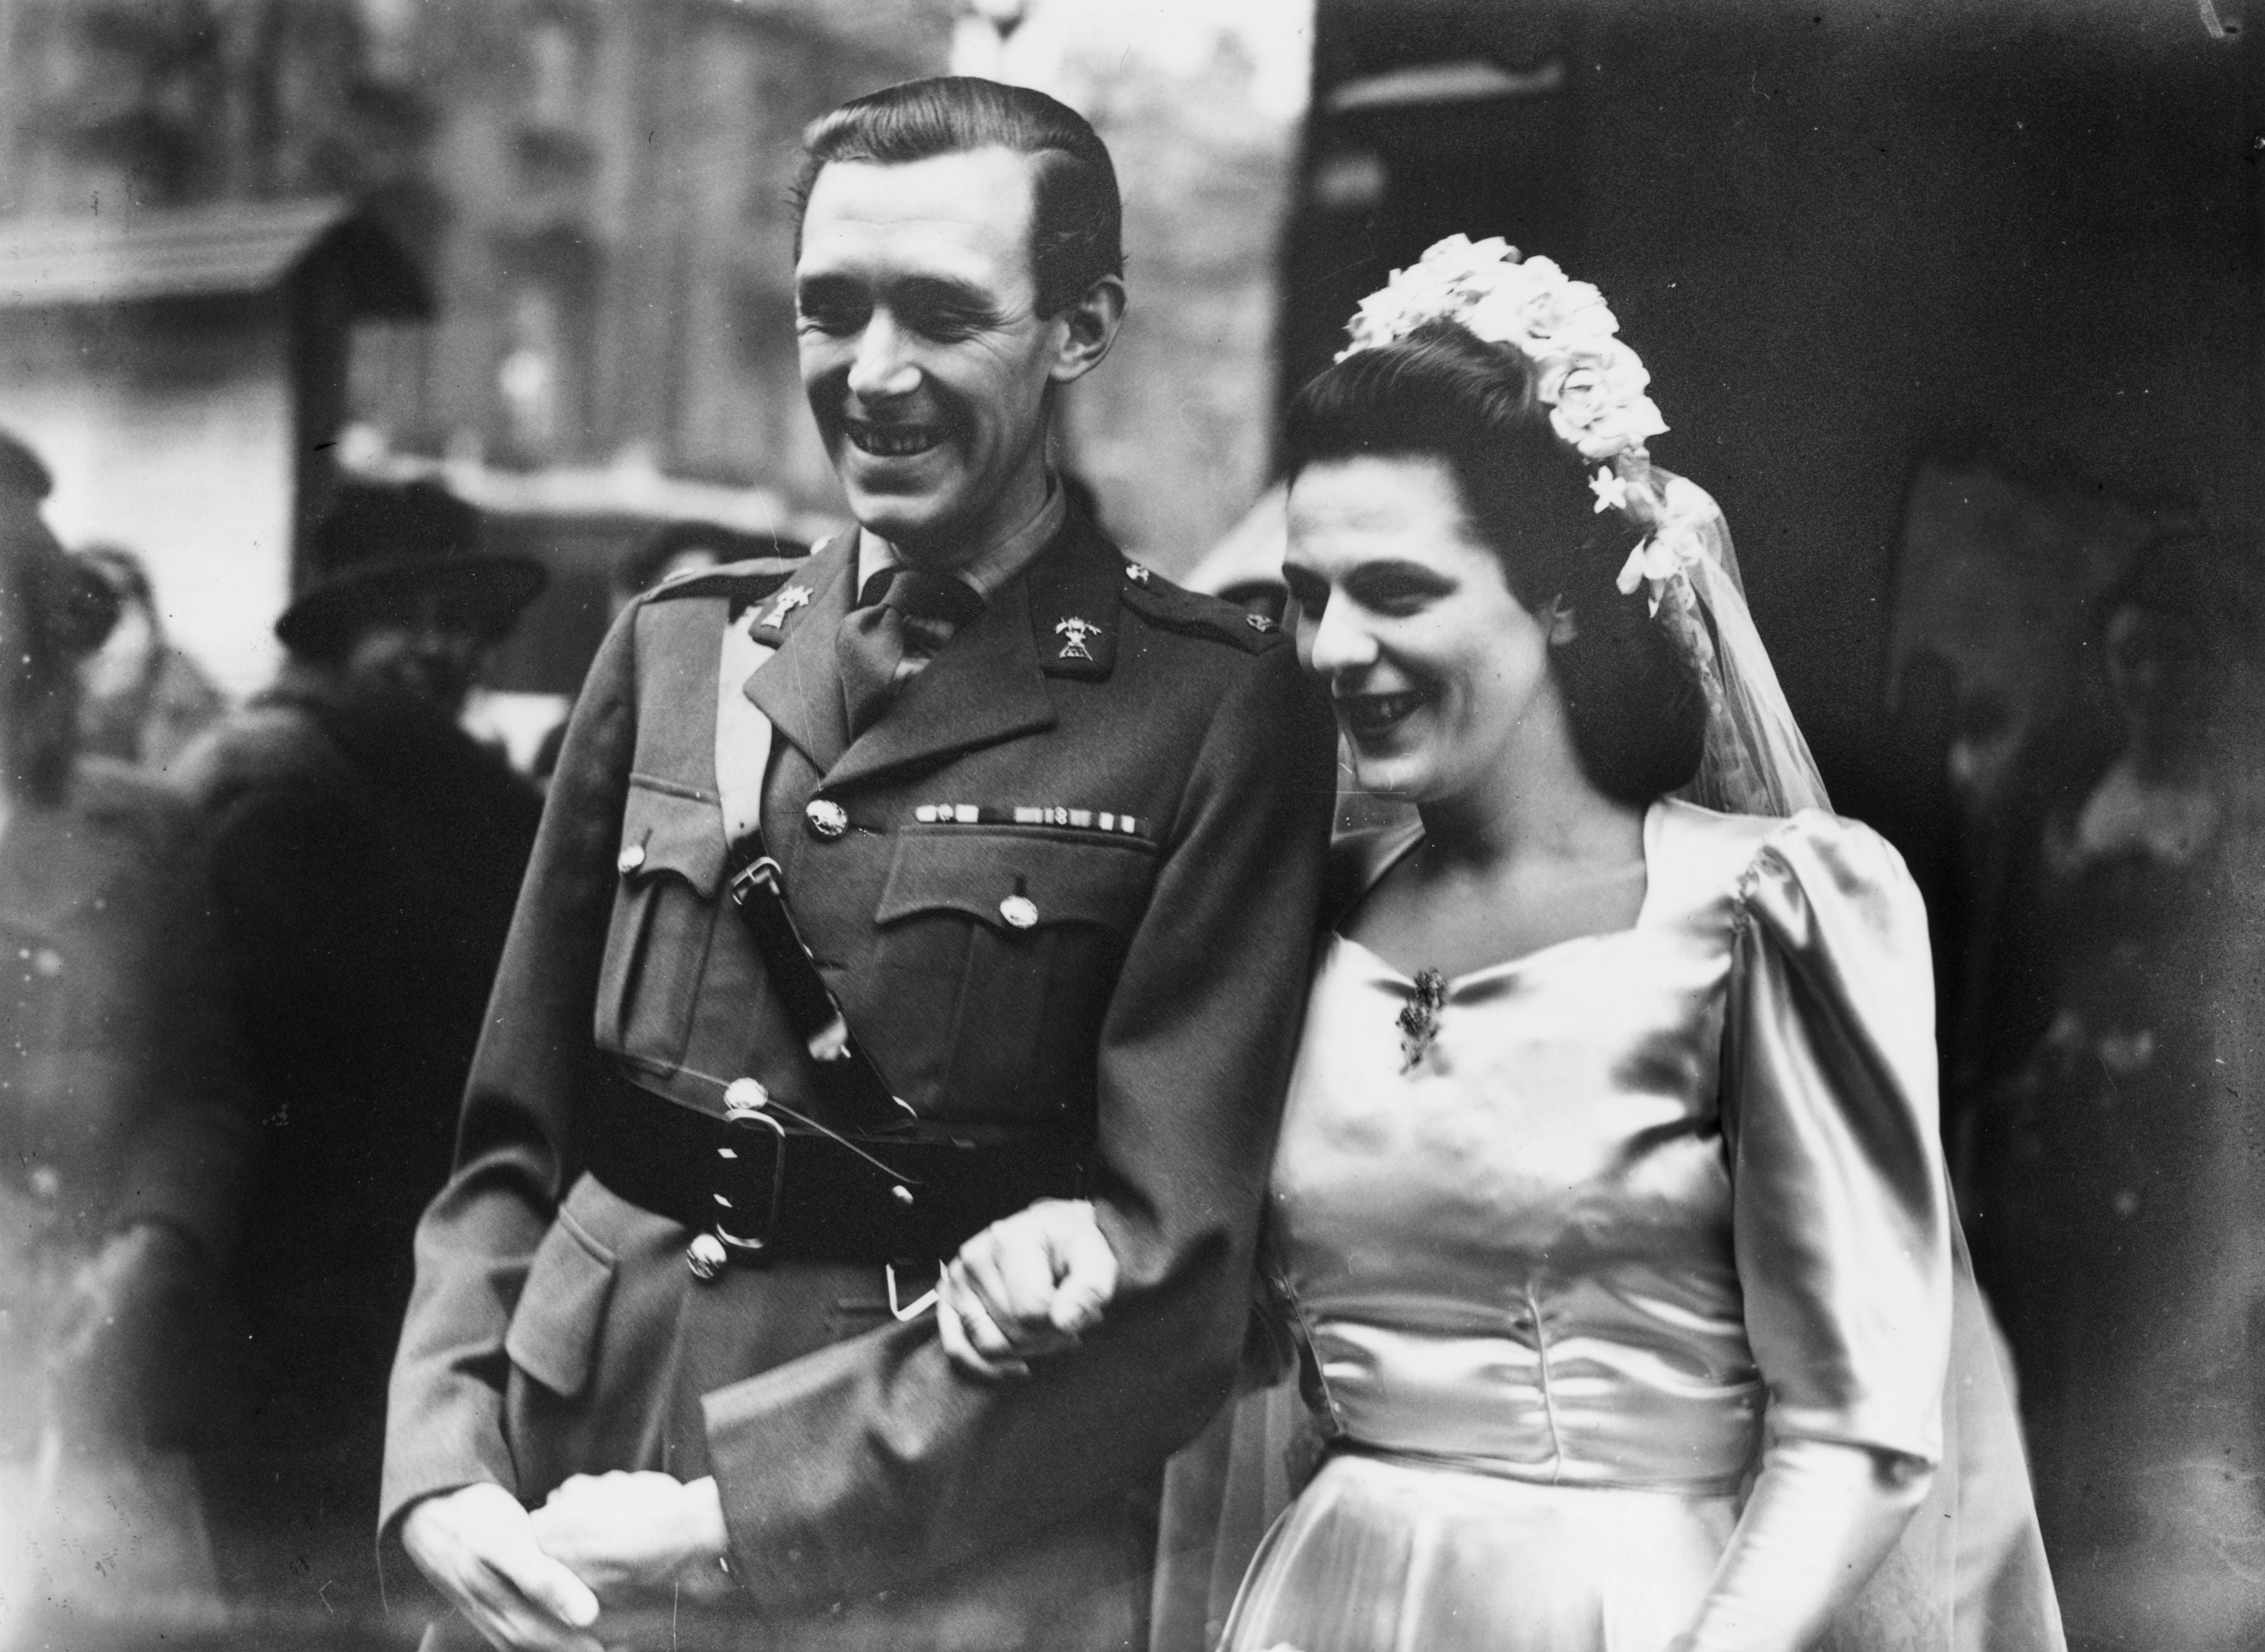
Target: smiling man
963,864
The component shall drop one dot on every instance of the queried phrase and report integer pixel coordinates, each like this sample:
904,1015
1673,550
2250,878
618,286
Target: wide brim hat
382,550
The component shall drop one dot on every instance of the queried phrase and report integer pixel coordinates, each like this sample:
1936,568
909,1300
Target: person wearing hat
125,1138
366,855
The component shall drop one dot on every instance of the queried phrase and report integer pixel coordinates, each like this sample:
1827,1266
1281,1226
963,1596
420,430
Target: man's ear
1089,327
1557,620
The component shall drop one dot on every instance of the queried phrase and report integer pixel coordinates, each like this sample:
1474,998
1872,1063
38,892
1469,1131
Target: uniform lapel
984,688
798,687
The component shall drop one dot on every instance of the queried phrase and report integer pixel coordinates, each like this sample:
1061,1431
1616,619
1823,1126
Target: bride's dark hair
1638,712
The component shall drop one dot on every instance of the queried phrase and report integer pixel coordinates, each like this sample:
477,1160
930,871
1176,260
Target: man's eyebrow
941,291
823,285
935,294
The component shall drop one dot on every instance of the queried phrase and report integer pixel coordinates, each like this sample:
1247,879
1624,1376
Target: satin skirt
1387,1554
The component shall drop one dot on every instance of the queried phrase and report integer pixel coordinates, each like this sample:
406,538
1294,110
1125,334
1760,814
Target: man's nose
883,366
1338,642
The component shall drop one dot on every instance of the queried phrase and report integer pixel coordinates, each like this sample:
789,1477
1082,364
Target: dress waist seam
1551,1476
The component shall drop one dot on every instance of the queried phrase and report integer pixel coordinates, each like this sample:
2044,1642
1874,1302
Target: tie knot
918,594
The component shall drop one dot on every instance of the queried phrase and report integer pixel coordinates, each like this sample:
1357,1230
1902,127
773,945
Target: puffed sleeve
1841,1226
1840,1216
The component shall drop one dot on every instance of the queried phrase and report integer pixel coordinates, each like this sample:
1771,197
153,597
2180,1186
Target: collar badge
1075,633
789,600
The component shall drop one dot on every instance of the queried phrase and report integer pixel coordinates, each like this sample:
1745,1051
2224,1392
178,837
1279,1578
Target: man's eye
1310,595
830,316
941,322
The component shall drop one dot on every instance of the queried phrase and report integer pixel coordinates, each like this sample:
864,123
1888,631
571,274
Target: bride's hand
1028,1285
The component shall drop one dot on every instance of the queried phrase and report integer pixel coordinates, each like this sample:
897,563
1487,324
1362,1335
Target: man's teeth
894,441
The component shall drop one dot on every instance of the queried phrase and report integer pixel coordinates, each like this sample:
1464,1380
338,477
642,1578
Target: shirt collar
988,570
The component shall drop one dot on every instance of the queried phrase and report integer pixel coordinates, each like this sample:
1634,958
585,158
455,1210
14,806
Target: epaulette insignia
1194,615
741,584
1137,573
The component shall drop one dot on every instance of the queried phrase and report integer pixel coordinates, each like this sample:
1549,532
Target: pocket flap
554,1331
1057,880
662,831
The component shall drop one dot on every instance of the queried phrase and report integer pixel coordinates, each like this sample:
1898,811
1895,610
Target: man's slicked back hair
1077,219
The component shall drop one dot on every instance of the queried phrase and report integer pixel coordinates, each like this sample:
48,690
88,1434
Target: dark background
1845,237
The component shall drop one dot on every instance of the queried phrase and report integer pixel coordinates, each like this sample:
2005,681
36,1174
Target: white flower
1596,399
1660,559
1591,382
1612,492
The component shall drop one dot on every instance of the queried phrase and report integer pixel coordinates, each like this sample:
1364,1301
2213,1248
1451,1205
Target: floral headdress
1591,382
1756,760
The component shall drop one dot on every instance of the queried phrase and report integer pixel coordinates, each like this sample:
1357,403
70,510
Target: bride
1609,1209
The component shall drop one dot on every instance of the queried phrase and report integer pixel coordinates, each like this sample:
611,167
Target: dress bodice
1641,1188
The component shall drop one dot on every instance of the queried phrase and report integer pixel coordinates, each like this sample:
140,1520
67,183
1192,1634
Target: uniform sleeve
1841,1225
444,1413
875,1461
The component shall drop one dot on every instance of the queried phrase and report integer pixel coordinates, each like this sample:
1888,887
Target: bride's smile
1436,670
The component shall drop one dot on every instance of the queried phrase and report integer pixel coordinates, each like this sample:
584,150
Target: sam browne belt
767,1186
761,1181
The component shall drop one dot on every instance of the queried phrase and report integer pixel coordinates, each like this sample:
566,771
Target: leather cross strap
847,1071
848,1074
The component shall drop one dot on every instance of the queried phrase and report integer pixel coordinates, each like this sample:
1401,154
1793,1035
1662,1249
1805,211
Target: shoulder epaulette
1191,613
740,583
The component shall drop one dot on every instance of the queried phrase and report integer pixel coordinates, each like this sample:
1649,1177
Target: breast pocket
1011,939
672,866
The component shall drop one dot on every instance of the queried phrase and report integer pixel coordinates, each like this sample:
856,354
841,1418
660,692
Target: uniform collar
990,685
990,569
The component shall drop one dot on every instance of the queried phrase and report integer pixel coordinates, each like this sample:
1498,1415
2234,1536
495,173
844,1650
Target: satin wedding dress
1632,1211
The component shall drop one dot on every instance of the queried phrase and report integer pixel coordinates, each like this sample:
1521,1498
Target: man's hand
1028,1285
631,1534
479,1549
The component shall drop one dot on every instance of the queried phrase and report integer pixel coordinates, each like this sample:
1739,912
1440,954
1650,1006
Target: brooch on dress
1419,1017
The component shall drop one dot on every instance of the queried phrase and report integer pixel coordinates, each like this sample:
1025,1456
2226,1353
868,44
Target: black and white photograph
1131,825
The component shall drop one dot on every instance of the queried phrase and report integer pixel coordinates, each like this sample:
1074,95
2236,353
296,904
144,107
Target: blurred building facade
1201,107
596,193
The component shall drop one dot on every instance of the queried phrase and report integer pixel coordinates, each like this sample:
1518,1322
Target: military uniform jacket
1143,767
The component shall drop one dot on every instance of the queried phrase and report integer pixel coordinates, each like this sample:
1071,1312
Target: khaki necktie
903,618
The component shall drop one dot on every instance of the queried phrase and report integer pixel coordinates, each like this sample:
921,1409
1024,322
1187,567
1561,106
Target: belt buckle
752,1120
763,870
905,1313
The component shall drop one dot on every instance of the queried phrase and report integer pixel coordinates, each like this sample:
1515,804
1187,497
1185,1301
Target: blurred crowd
248,953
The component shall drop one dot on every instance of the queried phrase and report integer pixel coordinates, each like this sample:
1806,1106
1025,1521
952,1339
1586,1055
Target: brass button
706,1256
1018,911
629,859
742,1096
902,1194
827,819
